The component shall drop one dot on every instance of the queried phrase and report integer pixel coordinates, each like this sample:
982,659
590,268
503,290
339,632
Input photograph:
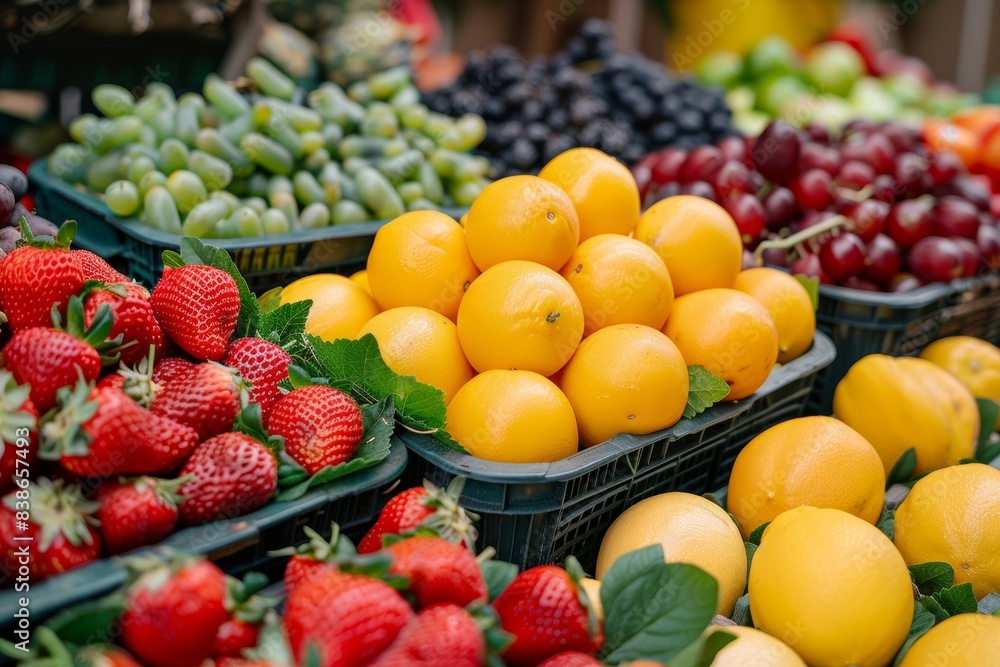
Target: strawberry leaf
286,326
930,578
934,607
923,621
195,251
498,576
758,533
705,390
988,447
958,599
903,469
811,283
81,623
702,652
887,523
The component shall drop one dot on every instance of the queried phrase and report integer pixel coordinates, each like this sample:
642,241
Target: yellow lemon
340,306
788,303
974,362
753,648
964,640
361,278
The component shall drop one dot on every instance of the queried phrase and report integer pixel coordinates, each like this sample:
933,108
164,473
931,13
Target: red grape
732,179
944,166
952,217
883,260
868,218
817,156
905,282
818,133
776,151
668,166
701,165
966,187
874,150
970,256
994,208
667,190
779,208
812,189
901,137
855,174
699,189
988,240
810,265
855,282
909,221
884,188
843,256
775,256
911,173
936,259
859,126
733,148
748,213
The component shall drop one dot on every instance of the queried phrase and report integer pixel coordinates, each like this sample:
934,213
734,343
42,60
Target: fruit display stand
236,545
541,513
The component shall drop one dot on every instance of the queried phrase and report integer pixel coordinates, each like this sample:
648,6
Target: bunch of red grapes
905,216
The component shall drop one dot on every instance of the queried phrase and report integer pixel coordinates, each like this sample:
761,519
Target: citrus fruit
753,648
832,587
963,640
974,362
592,587
513,417
361,278
619,281
727,332
603,190
627,378
899,403
421,259
692,530
816,461
340,306
698,241
520,315
422,343
522,217
951,516
789,304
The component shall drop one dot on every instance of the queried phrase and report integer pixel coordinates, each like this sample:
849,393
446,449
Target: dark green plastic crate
537,513
237,546
861,323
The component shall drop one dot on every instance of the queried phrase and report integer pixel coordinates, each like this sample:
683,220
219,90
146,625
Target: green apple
741,98
774,93
751,123
833,67
909,89
722,68
870,100
772,56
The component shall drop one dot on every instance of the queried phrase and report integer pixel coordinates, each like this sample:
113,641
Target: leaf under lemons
811,283
704,391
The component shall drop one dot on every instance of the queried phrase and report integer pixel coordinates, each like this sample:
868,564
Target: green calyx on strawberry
244,601
62,432
577,573
96,335
139,384
450,521
59,510
14,419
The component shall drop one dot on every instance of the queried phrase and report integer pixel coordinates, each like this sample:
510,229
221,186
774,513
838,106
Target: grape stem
829,225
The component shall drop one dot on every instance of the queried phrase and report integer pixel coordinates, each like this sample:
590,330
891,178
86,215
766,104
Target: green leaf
172,260
704,391
702,652
960,599
934,607
903,469
741,612
80,624
922,621
758,533
989,410
887,523
751,549
378,425
654,609
270,300
286,326
811,283
498,575
929,578
195,251
989,604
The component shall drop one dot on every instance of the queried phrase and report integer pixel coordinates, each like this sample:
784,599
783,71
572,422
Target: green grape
187,189
151,180
140,166
285,202
378,194
467,133
70,162
437,125
164,124
332,134
353,165
313,141
465,193
399,168
160,210
162,91
237,128
231,201
123,165
283,134
188,124
346,211
103,171
279,184
258,184
422,205
274,221
410,191
428,178
122,198
226,100
109,133
330,102
267,153
213,143
174,155
256,203
405,97
148,107
315,216
413,117
317,159
361,92
142,150
246,222
307,188
301,119
80,125
203,217
269,79
112,101
147,137
214,172
387,83
380,122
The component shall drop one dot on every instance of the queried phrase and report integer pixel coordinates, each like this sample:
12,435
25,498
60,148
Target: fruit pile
515,313
230,164
871,208
589,95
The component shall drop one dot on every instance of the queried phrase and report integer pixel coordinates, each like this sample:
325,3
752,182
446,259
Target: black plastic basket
237,546
537,513
861,323
137,249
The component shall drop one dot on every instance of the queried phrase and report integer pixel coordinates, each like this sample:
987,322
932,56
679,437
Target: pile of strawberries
126,413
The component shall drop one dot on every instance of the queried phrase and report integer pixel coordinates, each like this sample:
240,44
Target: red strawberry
136,512
113,381
242,662
232,474
315,557
18,430
133,320
167,369
173,614
263,365
104,655
95,268
321,426
234,636
439,571
547,613
572,659
58,528
423,506
443,635
348,619
39,277
198,307
101,432
207,398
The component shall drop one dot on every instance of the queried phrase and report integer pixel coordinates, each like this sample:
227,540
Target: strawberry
321,426
101,432
104,655
315,557
248,612
347,619
136,512
425,506
18,430
263,365
572,659
233,637
438,571
548,613
132,317
198,307
242,662
443,635
95,268
232,474
173,613
39,277
59,531
167,369
207,397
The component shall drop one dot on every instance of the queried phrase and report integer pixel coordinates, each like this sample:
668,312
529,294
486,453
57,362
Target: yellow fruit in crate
520,315
602,189
592,587
691,529
832,587
697,239
899,403
974,362
361,278
753,648
421,259
964,640
513,417
627,378
727,332
788,303
953,516
422,343
816,461
522,217
340,306
619,281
